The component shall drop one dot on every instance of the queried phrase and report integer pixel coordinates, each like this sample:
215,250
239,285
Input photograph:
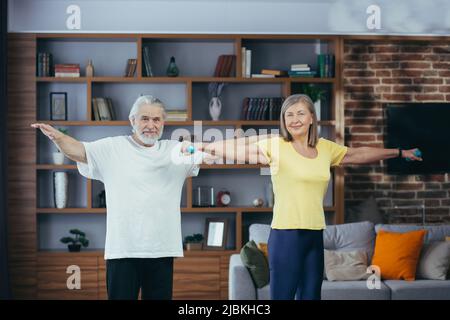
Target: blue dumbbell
417,153
191,149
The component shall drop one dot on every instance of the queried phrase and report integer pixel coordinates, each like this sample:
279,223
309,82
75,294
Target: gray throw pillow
346,265
367,210
434,261
256,263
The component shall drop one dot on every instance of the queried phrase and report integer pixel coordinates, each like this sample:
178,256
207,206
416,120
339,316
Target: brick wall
376,72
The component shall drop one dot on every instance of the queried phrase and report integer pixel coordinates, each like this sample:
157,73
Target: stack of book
325,65
301,70
262,108
270,73
44,63
102,109
246,63
176,115
67,70
131,68
226,65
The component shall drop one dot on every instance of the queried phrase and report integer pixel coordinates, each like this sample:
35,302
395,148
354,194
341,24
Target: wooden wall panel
21,146
52,277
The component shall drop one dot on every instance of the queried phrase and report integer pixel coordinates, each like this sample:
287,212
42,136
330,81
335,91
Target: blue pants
296,261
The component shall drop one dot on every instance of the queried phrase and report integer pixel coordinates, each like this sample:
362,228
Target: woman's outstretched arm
242,150
364,155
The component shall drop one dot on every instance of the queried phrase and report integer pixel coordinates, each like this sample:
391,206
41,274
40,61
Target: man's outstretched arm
72,148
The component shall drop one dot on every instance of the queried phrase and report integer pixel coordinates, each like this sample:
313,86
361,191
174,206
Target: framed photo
58,105
216,231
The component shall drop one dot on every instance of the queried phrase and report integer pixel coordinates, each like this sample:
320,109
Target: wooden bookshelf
40,272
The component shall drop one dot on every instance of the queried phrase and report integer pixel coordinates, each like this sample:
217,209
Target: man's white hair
146,99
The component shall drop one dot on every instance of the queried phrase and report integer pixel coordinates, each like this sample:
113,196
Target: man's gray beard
147,140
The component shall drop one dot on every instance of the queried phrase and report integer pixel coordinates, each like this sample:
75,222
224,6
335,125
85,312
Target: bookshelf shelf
138,79
183,210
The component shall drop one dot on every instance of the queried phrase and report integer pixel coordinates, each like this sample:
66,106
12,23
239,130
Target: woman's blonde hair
305,100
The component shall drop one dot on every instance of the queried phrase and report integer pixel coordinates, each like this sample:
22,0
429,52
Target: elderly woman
300,164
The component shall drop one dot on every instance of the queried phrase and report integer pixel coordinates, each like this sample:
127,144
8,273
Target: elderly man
143,178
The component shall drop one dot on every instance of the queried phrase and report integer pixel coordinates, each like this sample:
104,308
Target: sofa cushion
434,261
350,237
434,233
419,289
256,262
346,266
353,290
397,254
259,232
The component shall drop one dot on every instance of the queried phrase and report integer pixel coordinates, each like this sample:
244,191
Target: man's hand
48,130
188,147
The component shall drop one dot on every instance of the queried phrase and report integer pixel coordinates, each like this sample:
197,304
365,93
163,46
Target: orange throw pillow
263,247
397,254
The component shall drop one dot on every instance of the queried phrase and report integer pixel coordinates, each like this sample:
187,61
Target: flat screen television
422,125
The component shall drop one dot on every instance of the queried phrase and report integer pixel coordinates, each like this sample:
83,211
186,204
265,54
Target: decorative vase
60,189
90,69
58,158
215,107
269,195
172,69
317,107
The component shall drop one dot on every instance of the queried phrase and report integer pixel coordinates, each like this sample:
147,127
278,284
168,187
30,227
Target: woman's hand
412,154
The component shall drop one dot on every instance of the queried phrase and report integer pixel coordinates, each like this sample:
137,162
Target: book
130,68
111,108
243,58
218,66
274,72
248,63
67,74
299,65
147,65
259,75
325,65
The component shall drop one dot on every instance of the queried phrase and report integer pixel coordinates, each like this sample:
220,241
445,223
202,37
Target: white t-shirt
143,194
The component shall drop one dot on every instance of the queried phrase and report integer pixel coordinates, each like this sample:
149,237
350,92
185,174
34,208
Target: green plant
312,91
80,238
195,238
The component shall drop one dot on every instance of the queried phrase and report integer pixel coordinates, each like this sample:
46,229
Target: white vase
317,107
60,189
215,107
269,195
58,157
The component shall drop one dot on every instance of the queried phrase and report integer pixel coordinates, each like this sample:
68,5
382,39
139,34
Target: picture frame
216,233
58,106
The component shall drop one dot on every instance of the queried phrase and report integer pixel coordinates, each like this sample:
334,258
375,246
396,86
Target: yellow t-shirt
300,183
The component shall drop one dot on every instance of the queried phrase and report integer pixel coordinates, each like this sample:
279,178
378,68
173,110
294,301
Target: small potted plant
58,156
194,242
77,242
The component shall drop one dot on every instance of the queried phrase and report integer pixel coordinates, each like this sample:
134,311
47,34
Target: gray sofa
347,237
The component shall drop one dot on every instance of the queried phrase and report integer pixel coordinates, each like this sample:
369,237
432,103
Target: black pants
124,278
